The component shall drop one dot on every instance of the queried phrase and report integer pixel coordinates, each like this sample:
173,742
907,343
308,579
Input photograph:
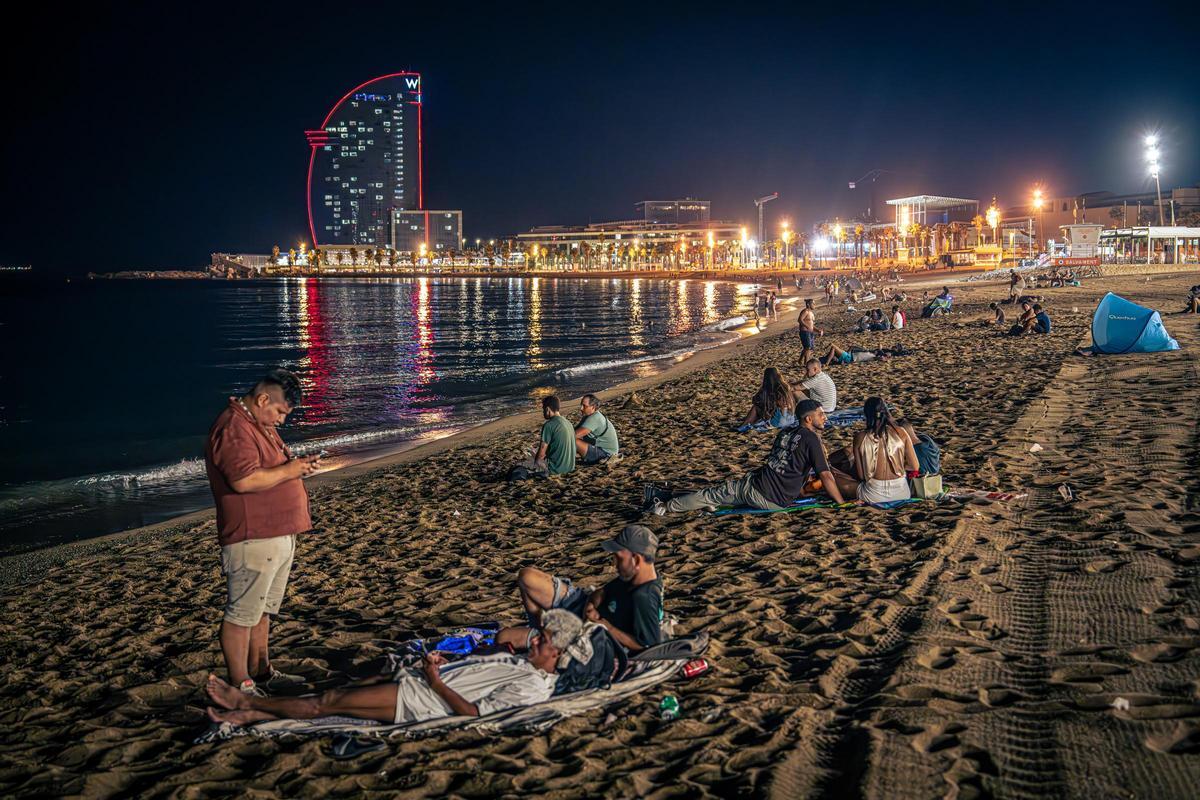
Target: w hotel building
366,163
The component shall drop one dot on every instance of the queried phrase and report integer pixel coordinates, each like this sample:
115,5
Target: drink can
697,666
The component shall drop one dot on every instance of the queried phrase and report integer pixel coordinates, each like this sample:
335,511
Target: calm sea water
108,388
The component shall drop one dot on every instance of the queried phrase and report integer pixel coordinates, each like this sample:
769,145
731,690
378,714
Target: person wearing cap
629,606
795,456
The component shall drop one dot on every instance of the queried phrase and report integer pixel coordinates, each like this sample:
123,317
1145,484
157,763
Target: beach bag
607,663
926,486
929,454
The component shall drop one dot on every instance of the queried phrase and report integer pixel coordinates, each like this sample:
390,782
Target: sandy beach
1039,647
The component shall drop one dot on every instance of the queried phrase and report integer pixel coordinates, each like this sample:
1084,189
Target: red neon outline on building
312,156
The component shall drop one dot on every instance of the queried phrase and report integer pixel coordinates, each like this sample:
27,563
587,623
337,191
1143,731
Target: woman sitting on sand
882,455
775,395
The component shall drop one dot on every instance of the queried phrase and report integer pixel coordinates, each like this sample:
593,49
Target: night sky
153,137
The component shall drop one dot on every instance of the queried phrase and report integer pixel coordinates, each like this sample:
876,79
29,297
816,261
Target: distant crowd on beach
262,505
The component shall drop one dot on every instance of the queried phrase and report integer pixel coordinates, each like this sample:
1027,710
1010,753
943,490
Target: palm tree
353,256
978,222
1117,215
315,257
393,257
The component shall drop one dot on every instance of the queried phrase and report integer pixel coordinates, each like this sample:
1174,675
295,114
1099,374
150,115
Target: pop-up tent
1119,326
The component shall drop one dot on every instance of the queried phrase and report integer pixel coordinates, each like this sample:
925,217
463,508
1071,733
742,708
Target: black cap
636,539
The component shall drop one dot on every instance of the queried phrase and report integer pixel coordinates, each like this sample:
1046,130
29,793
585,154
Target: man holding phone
261,506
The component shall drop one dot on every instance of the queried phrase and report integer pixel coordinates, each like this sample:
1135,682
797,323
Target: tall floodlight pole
1038,202
1152,158
760,202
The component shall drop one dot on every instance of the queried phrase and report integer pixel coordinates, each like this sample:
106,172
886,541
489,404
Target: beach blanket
672,655
811,503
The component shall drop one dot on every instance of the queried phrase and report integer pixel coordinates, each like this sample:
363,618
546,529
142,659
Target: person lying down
472,687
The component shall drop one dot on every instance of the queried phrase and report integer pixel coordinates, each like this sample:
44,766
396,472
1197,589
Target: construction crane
760,202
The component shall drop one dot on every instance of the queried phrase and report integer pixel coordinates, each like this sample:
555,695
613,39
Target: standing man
556,447
261,506
808,331
595,437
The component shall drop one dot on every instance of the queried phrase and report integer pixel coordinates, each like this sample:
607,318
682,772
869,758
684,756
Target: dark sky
152,136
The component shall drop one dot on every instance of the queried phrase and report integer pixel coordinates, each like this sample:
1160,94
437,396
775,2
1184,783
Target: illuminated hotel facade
366,163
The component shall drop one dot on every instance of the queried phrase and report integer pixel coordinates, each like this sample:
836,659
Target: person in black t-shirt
630,606
796,455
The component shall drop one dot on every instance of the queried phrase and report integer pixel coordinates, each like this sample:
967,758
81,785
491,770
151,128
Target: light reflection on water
382,361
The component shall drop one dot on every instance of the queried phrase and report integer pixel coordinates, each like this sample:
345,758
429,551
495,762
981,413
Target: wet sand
1039,647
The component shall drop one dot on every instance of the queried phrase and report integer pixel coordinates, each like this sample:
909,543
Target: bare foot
225,695
238,717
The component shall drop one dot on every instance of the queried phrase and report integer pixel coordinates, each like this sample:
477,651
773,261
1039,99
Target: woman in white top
882,454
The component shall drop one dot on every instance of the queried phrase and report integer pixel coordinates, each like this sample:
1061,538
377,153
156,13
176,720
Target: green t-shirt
602,430
559,436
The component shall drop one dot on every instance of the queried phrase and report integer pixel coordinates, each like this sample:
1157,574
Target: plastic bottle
668,709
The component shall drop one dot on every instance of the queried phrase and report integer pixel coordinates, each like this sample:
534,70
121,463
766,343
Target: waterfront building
687,211
680,232
366,162
436,230
1111,210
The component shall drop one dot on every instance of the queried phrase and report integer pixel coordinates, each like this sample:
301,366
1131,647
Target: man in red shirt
261,506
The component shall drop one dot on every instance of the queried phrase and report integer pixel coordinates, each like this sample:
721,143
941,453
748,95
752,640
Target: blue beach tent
1119,326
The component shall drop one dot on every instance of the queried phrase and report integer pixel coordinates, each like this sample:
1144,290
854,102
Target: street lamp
1152,154
712,250
838,233
993,220
1038,202
787,237
743,245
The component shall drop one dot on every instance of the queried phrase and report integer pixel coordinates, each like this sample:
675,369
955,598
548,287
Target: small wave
726,324
187,468
583,369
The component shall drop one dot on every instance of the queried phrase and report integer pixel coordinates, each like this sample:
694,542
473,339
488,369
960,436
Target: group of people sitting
874,469
522,667
876,320
775,401
561,445
1033,319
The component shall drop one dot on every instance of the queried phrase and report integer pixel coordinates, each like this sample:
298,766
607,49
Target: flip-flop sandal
346,746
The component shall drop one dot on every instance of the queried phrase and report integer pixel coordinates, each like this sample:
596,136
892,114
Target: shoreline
56,553
18,566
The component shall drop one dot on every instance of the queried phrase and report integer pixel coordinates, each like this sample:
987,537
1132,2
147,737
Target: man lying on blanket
630,606
795,454
472,687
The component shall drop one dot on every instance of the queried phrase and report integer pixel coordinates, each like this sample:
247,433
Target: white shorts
876,491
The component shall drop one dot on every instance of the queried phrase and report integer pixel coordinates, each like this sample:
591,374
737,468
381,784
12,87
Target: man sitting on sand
630,606
555,451
819,386
1041,320
854,355
595,437
795,454
473,687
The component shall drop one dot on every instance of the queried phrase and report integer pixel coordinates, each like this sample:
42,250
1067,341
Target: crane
760,202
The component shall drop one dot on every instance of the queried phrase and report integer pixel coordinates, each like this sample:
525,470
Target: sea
108,387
